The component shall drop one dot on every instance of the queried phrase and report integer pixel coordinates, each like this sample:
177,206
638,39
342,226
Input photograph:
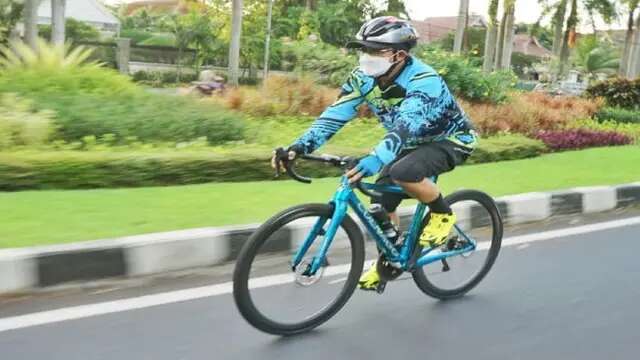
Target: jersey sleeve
422,107
343,110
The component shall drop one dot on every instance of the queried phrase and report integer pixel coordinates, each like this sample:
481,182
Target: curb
24,269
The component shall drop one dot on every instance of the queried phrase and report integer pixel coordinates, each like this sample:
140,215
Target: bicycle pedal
381,286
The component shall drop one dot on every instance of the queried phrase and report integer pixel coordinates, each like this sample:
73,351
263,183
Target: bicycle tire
241,291
422,280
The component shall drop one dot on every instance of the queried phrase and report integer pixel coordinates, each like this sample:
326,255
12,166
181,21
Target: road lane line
109,307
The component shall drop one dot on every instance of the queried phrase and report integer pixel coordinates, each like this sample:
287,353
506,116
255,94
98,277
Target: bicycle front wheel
280,299
479,221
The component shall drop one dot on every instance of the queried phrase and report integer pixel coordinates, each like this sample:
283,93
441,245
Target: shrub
631,130
506,147
90,100
149,117
619,115
581,138
331,64
160,39
20,125
136,35
281,95
85,170
160,78
622,93
105,169
465,78
74,31
527,113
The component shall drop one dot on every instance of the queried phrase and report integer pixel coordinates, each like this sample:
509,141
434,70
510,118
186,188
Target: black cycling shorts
415,164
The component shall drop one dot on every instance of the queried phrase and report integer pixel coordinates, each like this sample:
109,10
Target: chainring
387,271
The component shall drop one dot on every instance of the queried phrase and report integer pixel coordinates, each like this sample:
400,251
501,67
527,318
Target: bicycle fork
339,212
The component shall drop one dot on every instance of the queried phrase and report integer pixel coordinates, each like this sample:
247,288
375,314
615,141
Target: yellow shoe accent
437,230
370,279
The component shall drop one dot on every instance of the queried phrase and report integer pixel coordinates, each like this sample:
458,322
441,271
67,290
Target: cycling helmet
385,32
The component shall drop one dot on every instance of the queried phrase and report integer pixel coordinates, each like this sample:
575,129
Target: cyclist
427,131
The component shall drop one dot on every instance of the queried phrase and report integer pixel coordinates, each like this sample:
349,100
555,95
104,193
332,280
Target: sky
527,11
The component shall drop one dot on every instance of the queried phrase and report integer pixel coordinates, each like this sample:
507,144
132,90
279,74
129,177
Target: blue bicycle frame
344,198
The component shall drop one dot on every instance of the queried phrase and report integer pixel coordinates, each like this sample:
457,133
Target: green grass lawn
46,217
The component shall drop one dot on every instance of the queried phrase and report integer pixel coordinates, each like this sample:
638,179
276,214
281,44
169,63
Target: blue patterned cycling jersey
417,108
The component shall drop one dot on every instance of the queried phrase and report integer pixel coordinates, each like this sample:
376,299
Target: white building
91,12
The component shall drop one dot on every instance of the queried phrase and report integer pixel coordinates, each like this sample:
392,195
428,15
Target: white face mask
374,65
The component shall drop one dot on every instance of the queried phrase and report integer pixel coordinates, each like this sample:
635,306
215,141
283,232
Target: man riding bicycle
428,133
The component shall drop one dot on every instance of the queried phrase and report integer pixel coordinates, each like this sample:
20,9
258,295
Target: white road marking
336,281
109,307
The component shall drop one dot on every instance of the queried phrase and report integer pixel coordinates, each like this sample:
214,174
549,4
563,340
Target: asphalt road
570,297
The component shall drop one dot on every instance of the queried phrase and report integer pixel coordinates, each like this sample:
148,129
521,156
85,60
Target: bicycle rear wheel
280,300
478,220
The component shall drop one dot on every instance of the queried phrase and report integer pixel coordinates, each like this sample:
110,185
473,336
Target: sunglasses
375,52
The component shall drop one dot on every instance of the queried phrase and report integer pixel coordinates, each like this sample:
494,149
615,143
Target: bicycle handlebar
346,163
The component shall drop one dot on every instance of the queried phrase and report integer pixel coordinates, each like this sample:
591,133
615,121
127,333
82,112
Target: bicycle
304,268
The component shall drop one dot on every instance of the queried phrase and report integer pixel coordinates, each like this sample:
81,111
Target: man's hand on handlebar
367,166
280,156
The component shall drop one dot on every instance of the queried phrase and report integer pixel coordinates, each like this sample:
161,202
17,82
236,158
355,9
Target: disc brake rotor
302,276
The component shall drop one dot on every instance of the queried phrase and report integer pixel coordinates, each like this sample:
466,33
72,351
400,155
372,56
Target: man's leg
412,173
425,190
370,279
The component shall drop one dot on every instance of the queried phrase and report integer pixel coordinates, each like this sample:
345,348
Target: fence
153,58
106,52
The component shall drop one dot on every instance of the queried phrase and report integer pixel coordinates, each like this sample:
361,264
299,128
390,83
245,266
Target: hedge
506,147
622,93
620,115
97,169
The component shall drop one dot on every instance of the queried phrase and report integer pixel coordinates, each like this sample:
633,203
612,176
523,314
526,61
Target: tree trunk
490,48
265,68
571,24
31,22
491,37
626,53
509,33
634,61
57,21
310,5
234,47
500,43
558,24
463,12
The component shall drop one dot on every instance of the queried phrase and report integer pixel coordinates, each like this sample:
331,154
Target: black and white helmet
385,32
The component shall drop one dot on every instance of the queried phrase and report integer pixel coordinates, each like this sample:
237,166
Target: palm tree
505,37
509,33
563,34
593,57
632,5
492,35
600,60
57,21
558,25
265,68
572,22
31,22
633,70
234,47
463,13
